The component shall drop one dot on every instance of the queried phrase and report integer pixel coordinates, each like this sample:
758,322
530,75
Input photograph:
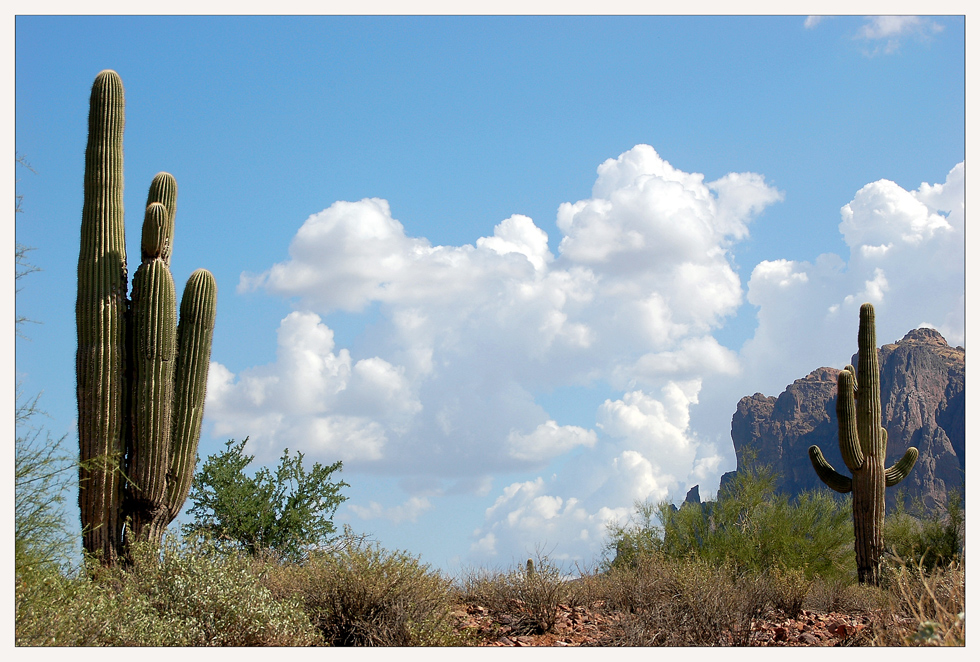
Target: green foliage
750,526
362,595
285,512
42,472
174,595
930,539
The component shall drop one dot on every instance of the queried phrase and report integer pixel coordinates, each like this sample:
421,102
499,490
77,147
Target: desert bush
786,590
529,596
844,595
180,595
749,526
285,512
42,471
363,595
540,588
683,602
927,538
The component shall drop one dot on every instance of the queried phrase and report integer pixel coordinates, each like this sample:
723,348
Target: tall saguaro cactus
100,312
863,443
141,375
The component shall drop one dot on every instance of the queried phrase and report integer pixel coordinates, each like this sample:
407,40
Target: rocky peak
923,405
924,335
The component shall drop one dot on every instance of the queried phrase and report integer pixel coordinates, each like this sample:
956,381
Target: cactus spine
141,376
863,443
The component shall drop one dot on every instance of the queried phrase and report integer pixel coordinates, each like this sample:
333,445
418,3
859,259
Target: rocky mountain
923,405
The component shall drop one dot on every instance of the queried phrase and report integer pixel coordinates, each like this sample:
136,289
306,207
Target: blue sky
515,272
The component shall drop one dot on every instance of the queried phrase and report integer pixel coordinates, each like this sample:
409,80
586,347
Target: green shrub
42,472
285,513
930,539
749,526
363,595
180,595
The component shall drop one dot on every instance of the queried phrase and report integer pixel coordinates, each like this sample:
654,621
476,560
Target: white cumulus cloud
906,256
447,388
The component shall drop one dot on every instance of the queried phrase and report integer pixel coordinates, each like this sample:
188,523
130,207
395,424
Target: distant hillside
923,405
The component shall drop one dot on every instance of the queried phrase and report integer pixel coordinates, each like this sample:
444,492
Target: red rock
808,639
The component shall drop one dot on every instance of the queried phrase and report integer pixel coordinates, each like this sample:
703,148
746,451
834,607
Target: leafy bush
180,595
930,539
363,595
285,512
42,471
749,526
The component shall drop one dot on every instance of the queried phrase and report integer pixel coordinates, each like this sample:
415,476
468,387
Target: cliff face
923,405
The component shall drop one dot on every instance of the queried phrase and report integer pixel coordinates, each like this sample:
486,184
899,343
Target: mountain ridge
923,405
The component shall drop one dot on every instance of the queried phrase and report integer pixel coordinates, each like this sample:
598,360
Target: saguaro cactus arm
163,189
835,481
194,333
847,430
899,471
152,353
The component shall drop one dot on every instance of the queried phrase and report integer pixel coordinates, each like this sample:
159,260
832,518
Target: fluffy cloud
887,32
409,511
446,389
888,27
906,256
311,398
548,440
469,334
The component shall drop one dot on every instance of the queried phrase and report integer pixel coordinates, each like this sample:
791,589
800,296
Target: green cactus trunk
153,353
100,312
863,444
141,375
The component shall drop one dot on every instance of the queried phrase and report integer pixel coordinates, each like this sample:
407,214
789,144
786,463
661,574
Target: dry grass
923,608
364,595
527,598
679,603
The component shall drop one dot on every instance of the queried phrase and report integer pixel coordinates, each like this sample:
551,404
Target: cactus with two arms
863,443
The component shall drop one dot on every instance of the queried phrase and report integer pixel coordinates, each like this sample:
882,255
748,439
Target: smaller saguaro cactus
863,443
